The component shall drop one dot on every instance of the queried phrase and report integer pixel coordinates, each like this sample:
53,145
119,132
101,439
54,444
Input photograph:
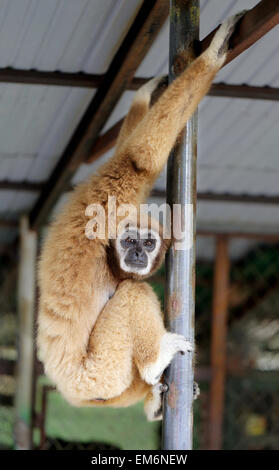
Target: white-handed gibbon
101,334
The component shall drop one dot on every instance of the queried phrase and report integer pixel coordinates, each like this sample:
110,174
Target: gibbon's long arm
139,107
153,132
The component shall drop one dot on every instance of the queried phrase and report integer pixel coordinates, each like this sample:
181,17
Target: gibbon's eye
130,240
149,243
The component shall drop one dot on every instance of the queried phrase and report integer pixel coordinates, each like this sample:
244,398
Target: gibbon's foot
147,91
162,387
220,42
161,85
196,391
153,405
171,344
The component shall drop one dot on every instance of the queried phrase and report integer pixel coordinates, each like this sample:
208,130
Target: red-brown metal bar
252,26
218,342
250,92
85,80
266,237
226,197
105,142
38,77
20,186
8,223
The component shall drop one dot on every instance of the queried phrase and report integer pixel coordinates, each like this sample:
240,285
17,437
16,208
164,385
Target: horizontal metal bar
20,186
266,237
226,197
7,367
57,78
244,91
85,80
105,142
8,223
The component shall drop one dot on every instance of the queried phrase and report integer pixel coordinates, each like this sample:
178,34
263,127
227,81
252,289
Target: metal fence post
180,265
220,310
26,306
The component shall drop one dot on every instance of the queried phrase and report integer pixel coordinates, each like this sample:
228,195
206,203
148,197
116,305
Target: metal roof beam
20,186
244,91
84,80
37,77
227,197
251,27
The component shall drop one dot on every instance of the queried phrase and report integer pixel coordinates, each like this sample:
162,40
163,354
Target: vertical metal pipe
218,342
26,304
180,264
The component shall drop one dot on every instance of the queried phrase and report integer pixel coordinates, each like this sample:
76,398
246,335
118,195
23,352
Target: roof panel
66,35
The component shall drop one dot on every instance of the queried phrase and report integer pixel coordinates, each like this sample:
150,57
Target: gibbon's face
137,250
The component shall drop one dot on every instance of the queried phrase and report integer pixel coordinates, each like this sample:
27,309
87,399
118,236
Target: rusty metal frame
220,310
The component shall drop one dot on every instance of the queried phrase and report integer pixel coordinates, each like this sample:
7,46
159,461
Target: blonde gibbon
101,334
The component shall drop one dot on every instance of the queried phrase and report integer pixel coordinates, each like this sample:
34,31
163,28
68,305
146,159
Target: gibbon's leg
154,347
137,391
139,107
128,338
152,140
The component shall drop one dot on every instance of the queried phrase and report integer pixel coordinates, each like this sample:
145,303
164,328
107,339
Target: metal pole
180,265
218,342
26,304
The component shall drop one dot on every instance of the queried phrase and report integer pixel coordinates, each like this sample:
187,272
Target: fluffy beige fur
98,350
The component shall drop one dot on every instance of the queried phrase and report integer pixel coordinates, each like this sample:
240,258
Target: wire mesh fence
251,411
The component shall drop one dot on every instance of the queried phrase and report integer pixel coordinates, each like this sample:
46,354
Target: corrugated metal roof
66,35
238,139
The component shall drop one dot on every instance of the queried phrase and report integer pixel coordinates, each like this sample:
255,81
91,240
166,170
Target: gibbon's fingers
139,107
196,391
170,344
151,142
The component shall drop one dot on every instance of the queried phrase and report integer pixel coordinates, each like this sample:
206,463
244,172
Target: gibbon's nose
138,252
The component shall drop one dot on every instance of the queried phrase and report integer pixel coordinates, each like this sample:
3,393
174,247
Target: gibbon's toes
150,90
196,390
162,388
161,84
220,42
158,415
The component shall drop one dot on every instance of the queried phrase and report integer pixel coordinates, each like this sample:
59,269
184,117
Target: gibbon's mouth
136,264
